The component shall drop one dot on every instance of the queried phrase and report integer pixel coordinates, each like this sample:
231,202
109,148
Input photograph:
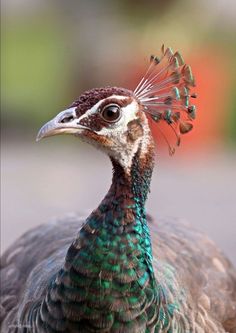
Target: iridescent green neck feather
107,282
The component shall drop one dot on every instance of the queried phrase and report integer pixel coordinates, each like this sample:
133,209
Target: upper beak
64,123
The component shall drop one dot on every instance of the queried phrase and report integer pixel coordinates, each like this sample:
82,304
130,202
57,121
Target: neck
109,265
127,195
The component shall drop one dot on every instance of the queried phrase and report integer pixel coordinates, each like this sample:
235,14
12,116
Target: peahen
115,271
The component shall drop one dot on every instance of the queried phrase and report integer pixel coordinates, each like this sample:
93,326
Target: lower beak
64,123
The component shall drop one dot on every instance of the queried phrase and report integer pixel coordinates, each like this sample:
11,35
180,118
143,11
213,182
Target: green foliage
33,68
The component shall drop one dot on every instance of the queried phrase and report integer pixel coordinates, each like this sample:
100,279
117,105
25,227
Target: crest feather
164,92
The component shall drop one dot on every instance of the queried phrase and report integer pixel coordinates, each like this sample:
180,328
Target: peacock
120,270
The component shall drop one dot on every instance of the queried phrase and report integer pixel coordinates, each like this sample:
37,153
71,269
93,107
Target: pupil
111,112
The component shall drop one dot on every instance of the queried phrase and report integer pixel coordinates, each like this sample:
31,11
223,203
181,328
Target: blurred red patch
212,76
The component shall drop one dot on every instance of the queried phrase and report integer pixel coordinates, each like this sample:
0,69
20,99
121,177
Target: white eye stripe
95,107
91,111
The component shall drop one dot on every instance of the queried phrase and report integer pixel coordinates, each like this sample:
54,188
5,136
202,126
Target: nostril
67,119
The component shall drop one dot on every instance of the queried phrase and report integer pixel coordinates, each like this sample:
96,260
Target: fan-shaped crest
164,92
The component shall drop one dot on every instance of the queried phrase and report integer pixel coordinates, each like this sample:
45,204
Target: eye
111,113
67,119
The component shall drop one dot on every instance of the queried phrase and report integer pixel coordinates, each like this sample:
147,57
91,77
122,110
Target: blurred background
53,50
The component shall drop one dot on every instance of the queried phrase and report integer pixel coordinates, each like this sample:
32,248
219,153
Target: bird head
109,118
115,119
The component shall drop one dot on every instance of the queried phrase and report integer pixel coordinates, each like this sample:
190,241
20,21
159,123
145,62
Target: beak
65,122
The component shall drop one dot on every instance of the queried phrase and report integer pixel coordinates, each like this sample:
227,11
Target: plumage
119,270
